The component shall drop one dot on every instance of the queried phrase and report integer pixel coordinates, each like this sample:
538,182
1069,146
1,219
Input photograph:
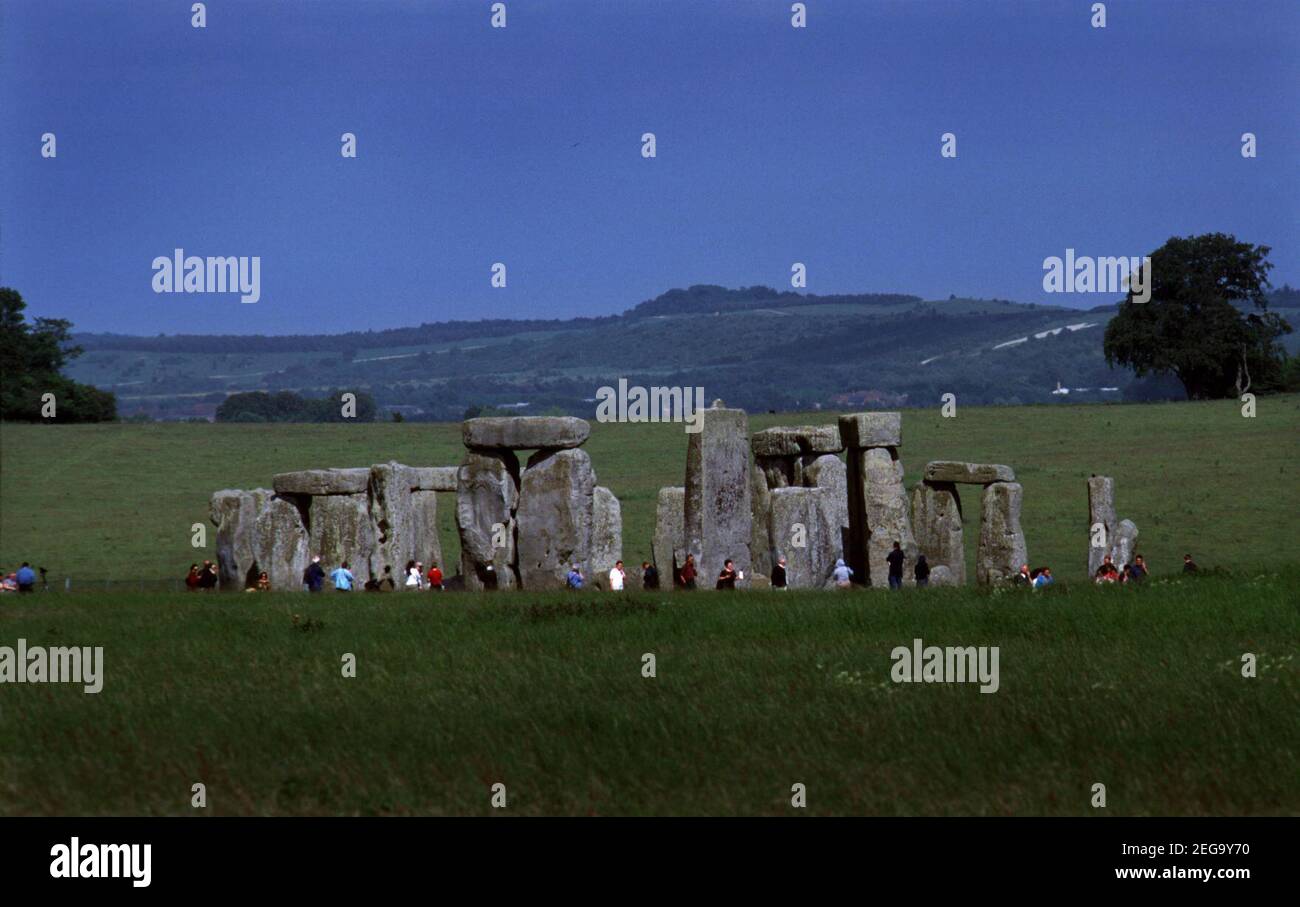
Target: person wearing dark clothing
727,578
895,559
314,576
208,576
1138,570
922,571
649,576
1189,565
779,579
688,572
192,578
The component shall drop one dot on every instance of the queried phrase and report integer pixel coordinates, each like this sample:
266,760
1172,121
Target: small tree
1207,321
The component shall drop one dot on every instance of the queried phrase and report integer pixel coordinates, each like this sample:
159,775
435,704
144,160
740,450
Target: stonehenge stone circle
717,505
525,432
1002,543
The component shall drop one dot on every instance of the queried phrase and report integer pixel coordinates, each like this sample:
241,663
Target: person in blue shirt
343,578
26,578
574,579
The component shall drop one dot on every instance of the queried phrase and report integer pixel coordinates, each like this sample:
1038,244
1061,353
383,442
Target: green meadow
117,502
1140,689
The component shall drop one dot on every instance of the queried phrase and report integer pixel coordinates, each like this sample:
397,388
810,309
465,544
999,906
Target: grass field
116,502
1139,689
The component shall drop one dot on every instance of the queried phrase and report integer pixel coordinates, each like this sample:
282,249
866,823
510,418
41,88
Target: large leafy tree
32,357
1207,320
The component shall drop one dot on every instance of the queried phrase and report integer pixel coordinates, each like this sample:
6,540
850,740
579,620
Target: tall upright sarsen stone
1002,543
936,519
487,494
1102,521
717,506
554,517
670,535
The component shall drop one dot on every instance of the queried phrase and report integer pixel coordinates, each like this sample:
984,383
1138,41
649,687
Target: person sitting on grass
208,576
192,578
435,579
1023,578
26,578
1189,565
1044,577
263,582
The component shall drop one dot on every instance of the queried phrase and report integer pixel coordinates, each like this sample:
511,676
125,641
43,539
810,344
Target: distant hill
754,347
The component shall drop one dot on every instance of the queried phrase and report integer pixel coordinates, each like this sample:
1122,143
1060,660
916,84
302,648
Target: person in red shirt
435,578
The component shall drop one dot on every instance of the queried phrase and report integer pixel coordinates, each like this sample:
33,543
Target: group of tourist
21,580
416,579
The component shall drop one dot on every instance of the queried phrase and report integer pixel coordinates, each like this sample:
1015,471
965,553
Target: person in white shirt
616,577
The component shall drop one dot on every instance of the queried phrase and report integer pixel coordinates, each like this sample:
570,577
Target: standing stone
1125,544
1101,509
829,473
394,518
796,517
887,518
607,536
942,576
428,539
670,537
936,518
234,513
341,531
1002,543
282,543
554,518
487,493
760,502
718,509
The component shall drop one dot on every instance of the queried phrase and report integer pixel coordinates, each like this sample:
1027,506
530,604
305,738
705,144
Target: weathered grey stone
1125,544
1002,543
341,531
798,533
525,432
607,535
670,533
760,500
259,530
1101,510
717,507
427,540
401,530
778,472
434,478
936,520
554,518
234,513
860,430
282,543
487,493
967,473
829,473
887,517
942,576
794,441
323,481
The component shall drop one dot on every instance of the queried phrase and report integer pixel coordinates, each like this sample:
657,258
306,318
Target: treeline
32,356
286,406
707,298
437,332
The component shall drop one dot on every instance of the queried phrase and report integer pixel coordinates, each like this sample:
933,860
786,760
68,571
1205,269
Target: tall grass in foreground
1136,688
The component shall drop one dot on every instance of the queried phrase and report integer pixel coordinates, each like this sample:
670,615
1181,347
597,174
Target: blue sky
522,145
